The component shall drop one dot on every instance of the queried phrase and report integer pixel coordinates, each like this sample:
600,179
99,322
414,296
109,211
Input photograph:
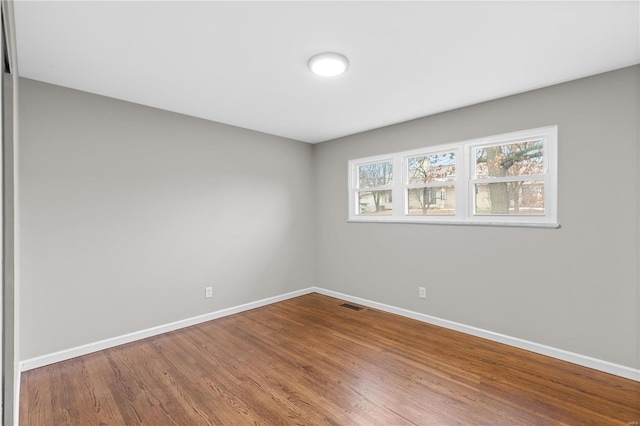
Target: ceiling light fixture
328,64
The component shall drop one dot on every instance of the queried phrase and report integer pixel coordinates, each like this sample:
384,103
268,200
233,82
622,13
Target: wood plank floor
309,361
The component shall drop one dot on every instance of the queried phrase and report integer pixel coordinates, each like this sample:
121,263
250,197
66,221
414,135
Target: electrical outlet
208,292
422,292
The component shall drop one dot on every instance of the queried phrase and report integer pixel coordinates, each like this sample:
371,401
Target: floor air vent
354,307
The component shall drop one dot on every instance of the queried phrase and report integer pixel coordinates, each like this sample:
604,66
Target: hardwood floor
309,361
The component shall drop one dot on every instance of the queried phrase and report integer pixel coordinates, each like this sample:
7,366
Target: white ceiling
244,63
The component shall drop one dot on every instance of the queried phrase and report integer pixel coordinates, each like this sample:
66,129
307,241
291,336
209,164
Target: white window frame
460,198
355,189
464,183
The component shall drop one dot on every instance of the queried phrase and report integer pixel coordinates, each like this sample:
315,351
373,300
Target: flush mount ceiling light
328,64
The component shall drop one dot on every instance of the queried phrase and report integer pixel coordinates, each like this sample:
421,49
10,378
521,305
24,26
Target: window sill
459,222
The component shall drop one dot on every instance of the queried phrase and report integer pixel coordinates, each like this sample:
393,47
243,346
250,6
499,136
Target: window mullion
508,179
397,191
463,191
430,185
376,188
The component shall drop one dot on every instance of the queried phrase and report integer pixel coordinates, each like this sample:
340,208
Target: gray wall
128,212
573,288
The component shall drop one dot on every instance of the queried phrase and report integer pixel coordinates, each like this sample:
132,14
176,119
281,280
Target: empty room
321,213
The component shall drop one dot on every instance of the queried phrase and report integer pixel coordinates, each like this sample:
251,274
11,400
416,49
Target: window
508,179
374,188
430,178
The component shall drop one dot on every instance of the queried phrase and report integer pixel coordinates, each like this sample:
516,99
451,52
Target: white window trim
464,183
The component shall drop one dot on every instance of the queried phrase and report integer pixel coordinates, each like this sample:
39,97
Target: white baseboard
585,361
63,355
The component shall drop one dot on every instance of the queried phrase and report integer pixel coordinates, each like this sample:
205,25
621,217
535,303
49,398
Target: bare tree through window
432,177
376,176
513,196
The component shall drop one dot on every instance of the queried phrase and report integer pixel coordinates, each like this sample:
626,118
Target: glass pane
517,198
375,202
435,200
514,159
375,175
432,168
